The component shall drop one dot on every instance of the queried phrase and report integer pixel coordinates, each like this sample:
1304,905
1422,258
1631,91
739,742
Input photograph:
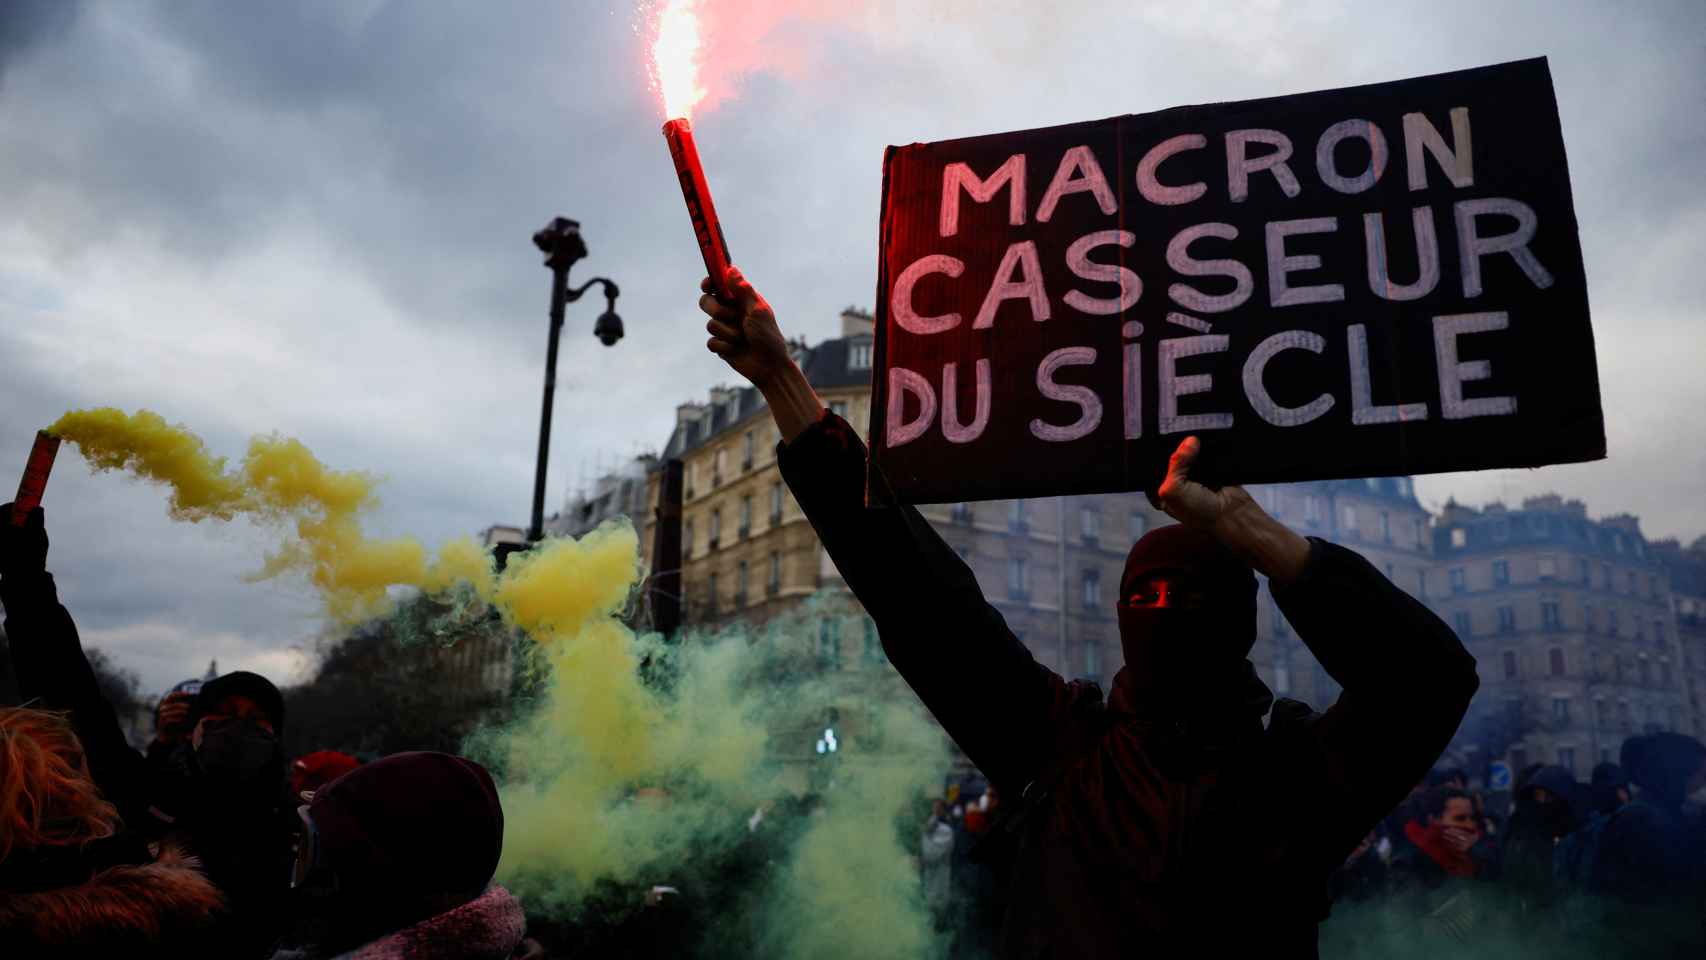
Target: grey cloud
415,147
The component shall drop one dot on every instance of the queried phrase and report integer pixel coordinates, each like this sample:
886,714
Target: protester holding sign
1142,823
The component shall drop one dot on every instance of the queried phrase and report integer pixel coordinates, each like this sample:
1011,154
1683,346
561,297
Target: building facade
1572,624
1687,569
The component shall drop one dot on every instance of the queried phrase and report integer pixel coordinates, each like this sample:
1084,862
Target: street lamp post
561,242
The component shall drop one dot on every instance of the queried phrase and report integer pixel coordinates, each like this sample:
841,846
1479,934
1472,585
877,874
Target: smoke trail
643,761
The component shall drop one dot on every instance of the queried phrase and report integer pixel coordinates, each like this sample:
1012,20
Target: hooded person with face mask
1166,819
217,794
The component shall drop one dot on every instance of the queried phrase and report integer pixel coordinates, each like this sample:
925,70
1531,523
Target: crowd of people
1185,809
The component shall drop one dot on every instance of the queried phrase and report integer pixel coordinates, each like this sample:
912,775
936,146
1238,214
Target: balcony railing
775,518
745,531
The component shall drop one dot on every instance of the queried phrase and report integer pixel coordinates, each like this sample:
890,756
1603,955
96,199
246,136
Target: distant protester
1442,840
396,861
72,881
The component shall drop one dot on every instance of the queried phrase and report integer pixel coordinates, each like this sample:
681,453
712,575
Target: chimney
1545,503
687,413
855,321
723,398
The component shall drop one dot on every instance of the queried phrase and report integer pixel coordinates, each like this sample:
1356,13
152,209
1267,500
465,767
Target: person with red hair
72,880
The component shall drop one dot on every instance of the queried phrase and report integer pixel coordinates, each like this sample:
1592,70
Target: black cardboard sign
1370,281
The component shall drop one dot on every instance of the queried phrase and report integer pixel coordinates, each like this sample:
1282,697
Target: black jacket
1148,840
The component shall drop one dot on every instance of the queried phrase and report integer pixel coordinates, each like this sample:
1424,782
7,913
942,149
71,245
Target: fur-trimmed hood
120,908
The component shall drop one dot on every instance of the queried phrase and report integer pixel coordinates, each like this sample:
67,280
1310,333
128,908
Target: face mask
237,749
1177,644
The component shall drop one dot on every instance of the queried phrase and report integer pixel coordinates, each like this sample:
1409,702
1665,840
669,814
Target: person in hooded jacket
395,862
1548,806
216,793
1165,819
73,881
1652,849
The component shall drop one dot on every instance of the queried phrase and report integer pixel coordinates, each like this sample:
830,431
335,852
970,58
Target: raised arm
1407,679
53,671
947,642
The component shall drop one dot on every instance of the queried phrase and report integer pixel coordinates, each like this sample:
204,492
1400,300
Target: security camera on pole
560,241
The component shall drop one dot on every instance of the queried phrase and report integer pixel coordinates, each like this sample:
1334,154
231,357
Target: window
1548,567
745,516
1606,570
1093,658
1640,628
1090,522
1664,674
1016,515
1312,510
1017,577
1501,573
717,466
687,540
1421,583
716,527
1281,627
1555,661
1631,582
1348,519
1645,670
859,355
746,451
1611,621
740,584
1602,711
1458,582
776,502
1589,618
1139,524
1583,570
1653,586
711,591
1616,543
1510,664
1092,589
1459,537
1561,709
960,513
1460,621
1416,525
1404,489
1658,633
1507,619
1391,573
1550,619
774,582
1282,675
1385,526
1373,484
829,642
839,408
1567,758
873,643
1623,718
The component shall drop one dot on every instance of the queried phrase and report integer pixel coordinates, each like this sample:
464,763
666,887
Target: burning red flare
675,72
34,483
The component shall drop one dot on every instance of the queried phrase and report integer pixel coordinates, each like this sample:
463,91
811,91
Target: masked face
239,749
1174,628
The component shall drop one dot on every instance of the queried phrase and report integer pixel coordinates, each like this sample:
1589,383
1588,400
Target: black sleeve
1407,685
947,642
54,674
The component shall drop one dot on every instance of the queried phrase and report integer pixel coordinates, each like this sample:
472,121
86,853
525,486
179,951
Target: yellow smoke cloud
571,768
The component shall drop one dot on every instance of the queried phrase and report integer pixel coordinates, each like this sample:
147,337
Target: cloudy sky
313,218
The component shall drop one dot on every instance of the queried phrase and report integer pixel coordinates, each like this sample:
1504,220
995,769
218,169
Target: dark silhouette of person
1166,819
216,793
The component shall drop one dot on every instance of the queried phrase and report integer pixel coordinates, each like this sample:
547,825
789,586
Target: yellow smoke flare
611,776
